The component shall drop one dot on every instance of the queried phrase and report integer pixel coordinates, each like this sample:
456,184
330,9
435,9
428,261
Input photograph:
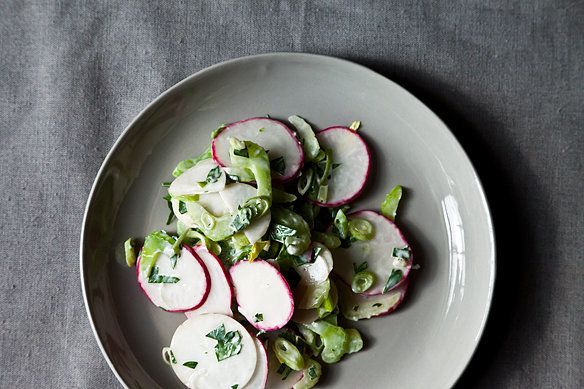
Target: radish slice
263,294
349,178
270,134
188,183
237,194
191,346
260,375
188,292
275,379
220,295
377,252
212,202
317,271
358,306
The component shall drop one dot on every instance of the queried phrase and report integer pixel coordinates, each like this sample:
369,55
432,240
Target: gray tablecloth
507,77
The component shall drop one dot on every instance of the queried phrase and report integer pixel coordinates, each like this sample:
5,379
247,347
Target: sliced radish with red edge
178,289
263,294
197,356
359,306
220,295
260,375
274,136
351,165
377,253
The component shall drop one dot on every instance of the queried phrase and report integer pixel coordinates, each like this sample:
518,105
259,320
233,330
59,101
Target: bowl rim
267,56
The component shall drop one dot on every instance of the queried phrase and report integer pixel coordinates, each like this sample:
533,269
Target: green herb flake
312,372
228,343
166,184
214,175
316,252
361,267
377,305
241,152
169,204
235,386
355,125
336,165
173,261
191,364
156,278
355,308
280,232
261,129
403,253
258,317
395,277
182,207
278,165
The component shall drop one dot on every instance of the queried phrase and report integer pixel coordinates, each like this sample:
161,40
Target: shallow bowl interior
428,341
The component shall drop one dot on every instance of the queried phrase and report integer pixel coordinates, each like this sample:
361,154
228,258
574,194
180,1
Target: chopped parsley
191,364
403,253
280,232
312,372
166,184
262,129
214,175
182,207
156,278
377,305
173,260
171,214
336,165
241,153
395,277
228,343
355,308
235,386
258,317
171,356
361,267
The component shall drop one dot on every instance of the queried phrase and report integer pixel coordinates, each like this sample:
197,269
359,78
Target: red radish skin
406,270
229,129
198,303
201,252
363,180
234,270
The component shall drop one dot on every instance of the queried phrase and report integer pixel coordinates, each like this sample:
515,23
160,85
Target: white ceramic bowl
428,341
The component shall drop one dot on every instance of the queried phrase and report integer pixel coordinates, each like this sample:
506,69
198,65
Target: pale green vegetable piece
299,242
311,339
288,354
155,244
361,229
130,253
337,341
311,375
279,196
391,202
306,134
329,240
308,296
330,302
362,281
341,224
257,162
182,166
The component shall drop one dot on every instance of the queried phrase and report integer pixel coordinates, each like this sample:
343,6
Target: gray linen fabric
507,77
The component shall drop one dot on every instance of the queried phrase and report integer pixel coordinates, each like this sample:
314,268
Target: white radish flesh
188,183
270,134
220,295
351,153
237,194
318,270
260,375
358,306
189,292
212,202
263,294
377,252
190,343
